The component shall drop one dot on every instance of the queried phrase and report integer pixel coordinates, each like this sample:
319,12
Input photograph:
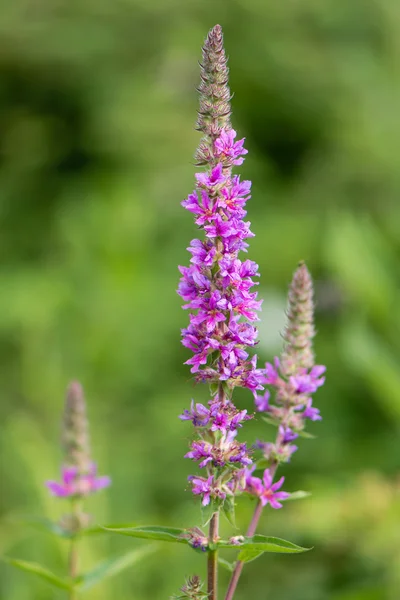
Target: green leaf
207,512
36,569
298,495
47,526
226,564
247,555
305,434
269,420
164,534
111,567
229,510
97,529
262,543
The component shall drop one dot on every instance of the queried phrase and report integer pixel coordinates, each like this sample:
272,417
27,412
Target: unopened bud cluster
192,590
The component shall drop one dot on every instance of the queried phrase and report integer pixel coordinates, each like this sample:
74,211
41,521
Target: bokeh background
97,113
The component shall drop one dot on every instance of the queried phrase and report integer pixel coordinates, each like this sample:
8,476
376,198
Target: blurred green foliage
97,120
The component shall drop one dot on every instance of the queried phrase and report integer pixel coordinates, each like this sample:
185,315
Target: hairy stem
250,532
73,566
239,565
212,564
73,559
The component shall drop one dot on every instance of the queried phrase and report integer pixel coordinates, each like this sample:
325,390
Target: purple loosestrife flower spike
217,288
79,473
294,376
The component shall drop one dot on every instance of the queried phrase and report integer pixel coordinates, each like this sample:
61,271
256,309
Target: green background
97,113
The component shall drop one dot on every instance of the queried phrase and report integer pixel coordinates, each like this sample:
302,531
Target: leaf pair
104,570
249,549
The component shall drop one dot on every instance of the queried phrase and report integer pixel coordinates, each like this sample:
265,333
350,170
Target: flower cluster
217,286
265,490
216,448
196,538
75,484
294,379
79,473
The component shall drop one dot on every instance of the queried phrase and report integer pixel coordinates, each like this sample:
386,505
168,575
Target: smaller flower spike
79,473
294,377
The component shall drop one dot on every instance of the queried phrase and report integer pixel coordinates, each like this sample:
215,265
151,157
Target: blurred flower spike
79,472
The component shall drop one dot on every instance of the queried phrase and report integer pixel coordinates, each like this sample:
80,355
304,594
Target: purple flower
196,538
272,372
198,414
225,146
308,383
201,450
213,179
287,435
266,490
75,484
202,487
311,412
220,228
234,197
203,253
262,402
237,540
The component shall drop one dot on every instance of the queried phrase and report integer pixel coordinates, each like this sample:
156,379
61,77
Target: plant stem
250,532
239,565
73,566
73,559
212,564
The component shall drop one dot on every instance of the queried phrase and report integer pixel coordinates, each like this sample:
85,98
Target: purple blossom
225,146
202,451
215,178
75,484
287,435
203,253
262,402
207,488
272,372
196,538
198,414
265,490
308,383
311,412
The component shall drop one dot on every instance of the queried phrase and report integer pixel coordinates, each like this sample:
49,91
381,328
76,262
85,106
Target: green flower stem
73,559
239,565
212,565
250,532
